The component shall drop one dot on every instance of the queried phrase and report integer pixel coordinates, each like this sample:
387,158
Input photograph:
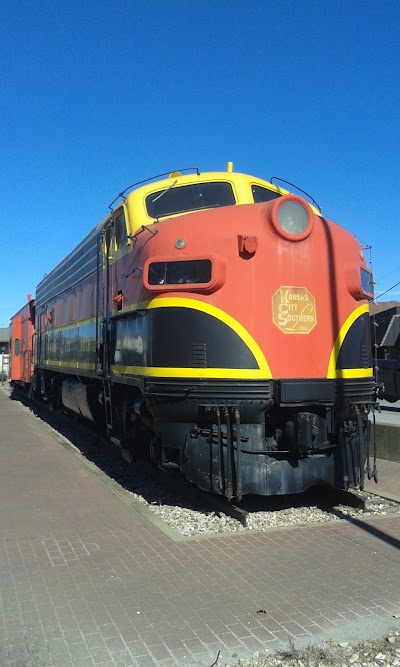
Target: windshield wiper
162,194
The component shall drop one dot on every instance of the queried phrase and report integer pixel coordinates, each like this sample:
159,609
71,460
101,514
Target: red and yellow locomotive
228,319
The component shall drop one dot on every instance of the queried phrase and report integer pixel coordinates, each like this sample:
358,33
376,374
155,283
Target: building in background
377,307
4,353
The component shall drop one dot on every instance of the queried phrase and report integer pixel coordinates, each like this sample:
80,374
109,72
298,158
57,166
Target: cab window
121,236
261,194
108,241
187,198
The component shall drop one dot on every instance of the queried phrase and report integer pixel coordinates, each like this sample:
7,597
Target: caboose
220,322
21,344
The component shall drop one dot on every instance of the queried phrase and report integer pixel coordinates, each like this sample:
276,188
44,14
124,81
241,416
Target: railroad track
170,487
326,497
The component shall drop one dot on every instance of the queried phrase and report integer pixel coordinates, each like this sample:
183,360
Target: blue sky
95,95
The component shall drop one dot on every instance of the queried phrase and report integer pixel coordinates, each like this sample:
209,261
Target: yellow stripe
133,307
68,327
177,302
263,372
349,373
69,364
224,373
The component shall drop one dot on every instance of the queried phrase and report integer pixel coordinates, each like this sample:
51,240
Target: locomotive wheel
129,449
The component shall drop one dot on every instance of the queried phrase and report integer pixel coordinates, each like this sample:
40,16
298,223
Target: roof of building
3,334
378,306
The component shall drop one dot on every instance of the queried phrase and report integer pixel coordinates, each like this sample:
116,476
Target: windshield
185,198
261,194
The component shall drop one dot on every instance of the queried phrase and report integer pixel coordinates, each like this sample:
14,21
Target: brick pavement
87,580
388,479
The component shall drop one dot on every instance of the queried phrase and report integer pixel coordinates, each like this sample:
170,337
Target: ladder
108,405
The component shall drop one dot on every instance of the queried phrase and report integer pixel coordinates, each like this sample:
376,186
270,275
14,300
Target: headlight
292,218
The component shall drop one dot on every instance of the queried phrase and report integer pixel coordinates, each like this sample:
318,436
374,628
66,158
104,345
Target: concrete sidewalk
87,580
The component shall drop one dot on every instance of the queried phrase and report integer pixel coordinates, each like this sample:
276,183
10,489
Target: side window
261,194
17,347
108,241
121,237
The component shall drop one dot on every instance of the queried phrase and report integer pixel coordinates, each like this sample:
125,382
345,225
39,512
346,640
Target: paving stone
94,640
115,644
101,654
78,650
82,662
124,659
109,630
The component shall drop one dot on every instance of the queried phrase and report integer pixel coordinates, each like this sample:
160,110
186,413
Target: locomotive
385,335
222,323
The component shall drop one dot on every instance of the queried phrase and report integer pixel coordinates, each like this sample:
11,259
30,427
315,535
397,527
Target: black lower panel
307,391
357,390
184,399
355,351
178,338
